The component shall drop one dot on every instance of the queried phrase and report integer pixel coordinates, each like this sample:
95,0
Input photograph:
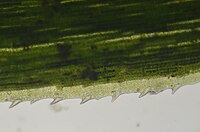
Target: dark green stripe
88,60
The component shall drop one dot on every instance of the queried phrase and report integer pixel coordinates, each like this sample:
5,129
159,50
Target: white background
153,113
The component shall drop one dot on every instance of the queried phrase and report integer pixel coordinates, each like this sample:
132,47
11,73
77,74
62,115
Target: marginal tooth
115,96
33,101
174,89
142,94
14,103
86,99
56,100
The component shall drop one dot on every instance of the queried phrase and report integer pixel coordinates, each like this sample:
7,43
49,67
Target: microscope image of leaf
90,49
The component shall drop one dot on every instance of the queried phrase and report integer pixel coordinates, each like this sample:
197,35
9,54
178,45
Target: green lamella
96,48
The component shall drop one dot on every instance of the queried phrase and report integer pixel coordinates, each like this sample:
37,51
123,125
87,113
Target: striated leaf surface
90,49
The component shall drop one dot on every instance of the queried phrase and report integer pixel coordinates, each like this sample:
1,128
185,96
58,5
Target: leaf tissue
90,49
